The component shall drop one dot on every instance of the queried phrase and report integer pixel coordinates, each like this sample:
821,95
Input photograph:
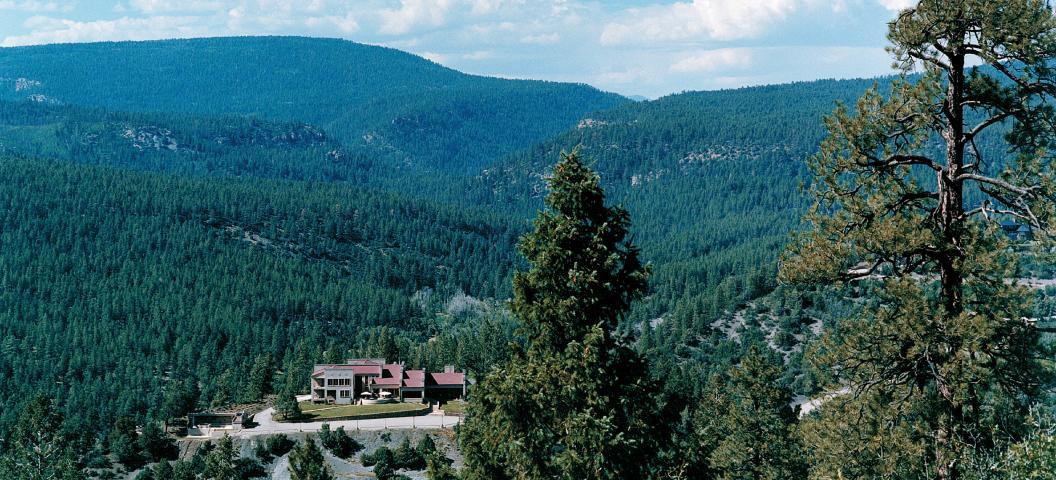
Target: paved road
266,425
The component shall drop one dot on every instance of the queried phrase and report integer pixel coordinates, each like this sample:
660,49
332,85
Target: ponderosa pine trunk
951,216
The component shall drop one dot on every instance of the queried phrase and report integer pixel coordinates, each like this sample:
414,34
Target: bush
156,444
123,442
280,444
97,459
273,446
439,467
261,451
381,455
249,468
407,457
338,442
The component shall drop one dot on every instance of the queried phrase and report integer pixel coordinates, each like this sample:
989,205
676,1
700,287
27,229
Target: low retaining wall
375,416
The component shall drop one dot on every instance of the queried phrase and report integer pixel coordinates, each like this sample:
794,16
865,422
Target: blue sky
633,47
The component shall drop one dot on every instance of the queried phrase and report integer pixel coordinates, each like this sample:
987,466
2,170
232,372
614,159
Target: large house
347,382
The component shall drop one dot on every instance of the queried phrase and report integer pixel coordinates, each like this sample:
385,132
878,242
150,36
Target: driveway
267,425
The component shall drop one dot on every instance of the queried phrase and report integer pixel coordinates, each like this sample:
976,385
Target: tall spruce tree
260,378
38,449
941,364
745,425
577,402
222,462
307,462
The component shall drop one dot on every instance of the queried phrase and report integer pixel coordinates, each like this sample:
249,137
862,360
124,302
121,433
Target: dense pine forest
199,233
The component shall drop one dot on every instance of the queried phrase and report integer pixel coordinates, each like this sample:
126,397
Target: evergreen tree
286,405
38,450
223,389
222,462
941,363
426,446
569,406
163,469
184,470
156,444
179,398
123,441
260,378
438,467
338,442
746,423
1034,457
307,463
408,457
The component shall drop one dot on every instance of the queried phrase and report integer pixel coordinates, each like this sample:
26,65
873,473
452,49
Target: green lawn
318,411
454,407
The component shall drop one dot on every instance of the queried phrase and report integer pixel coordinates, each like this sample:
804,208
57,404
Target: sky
634,47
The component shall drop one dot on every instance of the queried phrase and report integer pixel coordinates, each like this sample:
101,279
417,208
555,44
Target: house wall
444,394
342,394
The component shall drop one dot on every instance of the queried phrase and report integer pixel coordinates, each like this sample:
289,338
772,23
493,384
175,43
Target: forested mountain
712,181
118,286
173,212
395,105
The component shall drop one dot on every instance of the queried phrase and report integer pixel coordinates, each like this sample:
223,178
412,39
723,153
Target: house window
346,393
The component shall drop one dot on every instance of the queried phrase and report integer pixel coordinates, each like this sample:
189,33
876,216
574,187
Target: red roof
391,375
365,361
447,379
373,369
414,379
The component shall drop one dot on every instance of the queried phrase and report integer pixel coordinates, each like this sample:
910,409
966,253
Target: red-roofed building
358,378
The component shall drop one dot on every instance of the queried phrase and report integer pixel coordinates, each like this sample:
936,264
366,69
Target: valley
184,228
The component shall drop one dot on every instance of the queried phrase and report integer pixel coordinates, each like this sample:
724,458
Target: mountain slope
387,102
115,283
711,180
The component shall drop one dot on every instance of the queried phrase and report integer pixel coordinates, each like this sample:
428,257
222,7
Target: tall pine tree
38,449
307,462
941,365
745,424
577,402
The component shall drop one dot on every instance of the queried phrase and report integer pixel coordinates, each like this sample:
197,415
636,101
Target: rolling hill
319,198
392,104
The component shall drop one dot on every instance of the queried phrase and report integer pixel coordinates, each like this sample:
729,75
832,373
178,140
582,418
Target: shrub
407,457
426,446
381,455
273,446
156,444
338,442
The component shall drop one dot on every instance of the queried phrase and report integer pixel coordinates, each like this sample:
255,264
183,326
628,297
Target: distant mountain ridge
387,102
371,188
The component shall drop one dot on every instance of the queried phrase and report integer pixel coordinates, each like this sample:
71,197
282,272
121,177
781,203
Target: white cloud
478,55
713,60
32,6
170,6
436,57
541,39
630,76
897,5
57,30
699,19
414,13
347,23
484,7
